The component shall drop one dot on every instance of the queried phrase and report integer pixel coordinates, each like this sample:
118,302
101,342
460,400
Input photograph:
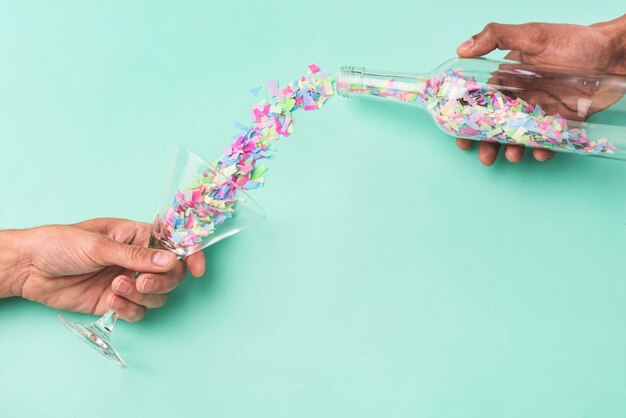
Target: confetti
464,107
196,211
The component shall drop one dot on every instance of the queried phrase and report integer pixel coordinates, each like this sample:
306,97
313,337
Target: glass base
96,337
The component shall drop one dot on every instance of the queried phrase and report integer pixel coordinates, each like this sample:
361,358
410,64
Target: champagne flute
200,206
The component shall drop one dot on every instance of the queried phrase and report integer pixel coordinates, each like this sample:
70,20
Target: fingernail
162,258
544,157
123,286
148,285
467,44
117,302
510,154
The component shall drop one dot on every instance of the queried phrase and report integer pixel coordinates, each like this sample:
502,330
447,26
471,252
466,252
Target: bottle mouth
349,79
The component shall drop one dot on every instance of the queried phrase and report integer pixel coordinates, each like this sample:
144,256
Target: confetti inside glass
563,110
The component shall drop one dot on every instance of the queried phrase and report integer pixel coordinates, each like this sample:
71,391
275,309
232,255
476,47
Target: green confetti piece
258,172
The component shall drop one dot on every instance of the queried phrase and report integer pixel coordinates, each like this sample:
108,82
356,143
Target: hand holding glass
200,207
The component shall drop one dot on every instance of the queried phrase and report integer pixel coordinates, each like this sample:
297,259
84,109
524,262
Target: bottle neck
359,82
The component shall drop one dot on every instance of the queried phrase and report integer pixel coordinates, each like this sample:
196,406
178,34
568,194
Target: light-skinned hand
90,267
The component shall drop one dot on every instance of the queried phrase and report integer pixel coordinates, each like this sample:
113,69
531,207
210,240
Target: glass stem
105,324
107,321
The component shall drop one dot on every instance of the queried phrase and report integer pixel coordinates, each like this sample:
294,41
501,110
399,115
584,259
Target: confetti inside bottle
561,109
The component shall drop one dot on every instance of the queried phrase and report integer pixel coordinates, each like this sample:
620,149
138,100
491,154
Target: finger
133,257
196,264
125,287
529,38
488,152
541,154
514,153
161,283
464,143
126,309
93,225
117,229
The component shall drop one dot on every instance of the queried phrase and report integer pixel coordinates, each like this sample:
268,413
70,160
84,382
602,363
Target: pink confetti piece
313,68
272,86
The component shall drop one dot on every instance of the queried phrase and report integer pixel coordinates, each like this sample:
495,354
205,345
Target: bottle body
560,109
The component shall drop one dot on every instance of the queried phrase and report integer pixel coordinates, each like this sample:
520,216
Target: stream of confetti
197,211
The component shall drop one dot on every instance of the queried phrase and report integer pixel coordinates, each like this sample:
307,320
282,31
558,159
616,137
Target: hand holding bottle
599,47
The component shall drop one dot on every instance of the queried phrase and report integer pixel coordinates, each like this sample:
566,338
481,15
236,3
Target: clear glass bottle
561,109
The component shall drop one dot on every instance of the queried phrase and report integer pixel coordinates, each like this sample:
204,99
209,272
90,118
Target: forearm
14,264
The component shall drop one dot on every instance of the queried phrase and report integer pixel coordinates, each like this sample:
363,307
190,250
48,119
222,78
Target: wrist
14,262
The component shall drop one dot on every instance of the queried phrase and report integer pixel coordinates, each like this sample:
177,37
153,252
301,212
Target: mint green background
395,276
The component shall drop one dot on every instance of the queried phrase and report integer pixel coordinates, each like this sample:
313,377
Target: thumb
136,258
529,38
